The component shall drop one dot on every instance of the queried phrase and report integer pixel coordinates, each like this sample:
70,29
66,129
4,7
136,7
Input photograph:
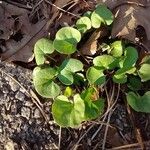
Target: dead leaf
19,49
114,139
90,46
129,17
23,50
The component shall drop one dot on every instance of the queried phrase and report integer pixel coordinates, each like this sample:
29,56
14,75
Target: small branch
62,9
59,143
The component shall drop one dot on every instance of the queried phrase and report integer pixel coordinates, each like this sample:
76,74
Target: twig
59,143
129,146
62,9
105,115
34,8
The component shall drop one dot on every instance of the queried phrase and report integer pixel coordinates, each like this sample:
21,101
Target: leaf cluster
118,63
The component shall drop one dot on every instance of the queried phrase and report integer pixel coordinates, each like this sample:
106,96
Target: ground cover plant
76,84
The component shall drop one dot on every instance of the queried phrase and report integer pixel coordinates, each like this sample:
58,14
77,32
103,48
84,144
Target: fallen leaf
129,17
21,48
22,51
90,46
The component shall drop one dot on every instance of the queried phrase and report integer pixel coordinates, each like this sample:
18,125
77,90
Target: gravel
22,127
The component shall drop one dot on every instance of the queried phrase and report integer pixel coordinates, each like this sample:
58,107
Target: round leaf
139,103
68,113
67,70
42,47
66,40
106,61
95,76
131,56
93,106
101,14
42,80
83,24
144,72
117,49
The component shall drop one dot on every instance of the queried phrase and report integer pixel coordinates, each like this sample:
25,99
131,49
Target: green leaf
43,82
42,47
134,83
117,48
101,14
131,56
139,103
106,61
83,24
88,14
93,106
68,113
68,92
66,40
95,75
120,78
144,72
126,70
67,70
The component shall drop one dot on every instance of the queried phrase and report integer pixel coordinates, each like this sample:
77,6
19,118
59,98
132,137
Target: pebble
37,113
14,86
20,96
16,120
9,146
25,112
5,90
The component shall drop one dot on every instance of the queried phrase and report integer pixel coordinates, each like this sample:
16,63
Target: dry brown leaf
21,49
90,46
129,17
129,14
114,139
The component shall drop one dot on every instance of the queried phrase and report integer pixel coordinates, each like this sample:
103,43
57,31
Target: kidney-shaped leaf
117,48
95,75
68,113
106,61
83,24
94,106
43,82
42,47
144,72
67,70
131,56
139,103
66,40
101,14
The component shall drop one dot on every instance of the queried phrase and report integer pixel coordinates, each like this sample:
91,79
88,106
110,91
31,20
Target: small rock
1,129
5,90
20,96
25,112
22,90
37,113
14,86
9,145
